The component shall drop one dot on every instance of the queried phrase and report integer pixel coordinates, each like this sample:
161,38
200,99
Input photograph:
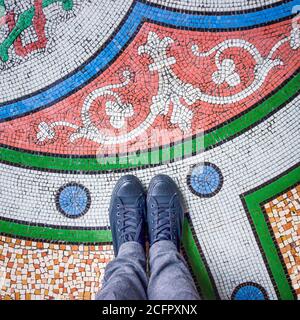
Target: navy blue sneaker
127,212
165,211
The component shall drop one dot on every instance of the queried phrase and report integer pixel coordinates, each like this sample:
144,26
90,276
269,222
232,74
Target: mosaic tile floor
206,91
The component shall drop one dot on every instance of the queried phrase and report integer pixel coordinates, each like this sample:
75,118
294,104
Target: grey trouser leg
125,277
170,277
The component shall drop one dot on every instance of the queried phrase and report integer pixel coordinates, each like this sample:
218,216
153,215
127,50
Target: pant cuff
162,245
131,247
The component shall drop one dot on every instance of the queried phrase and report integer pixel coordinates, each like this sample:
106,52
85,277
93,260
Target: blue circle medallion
249,291
73,200
205,179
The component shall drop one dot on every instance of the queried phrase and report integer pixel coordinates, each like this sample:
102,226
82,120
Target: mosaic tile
68,42
204,91
216,5
249,291
190,105
284,218
39,270
205,179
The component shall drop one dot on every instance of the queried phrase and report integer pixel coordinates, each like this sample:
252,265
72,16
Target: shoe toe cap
129,186
162,185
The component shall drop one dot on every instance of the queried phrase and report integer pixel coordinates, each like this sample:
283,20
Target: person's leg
125,277
170,278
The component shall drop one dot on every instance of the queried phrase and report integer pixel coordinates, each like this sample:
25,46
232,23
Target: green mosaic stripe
189,147
197,264
25,21
254,202
54,234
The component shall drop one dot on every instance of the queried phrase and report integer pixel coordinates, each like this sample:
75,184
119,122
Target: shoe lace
128,221
162,221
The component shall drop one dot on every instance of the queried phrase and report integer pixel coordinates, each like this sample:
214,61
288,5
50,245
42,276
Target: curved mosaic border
52,233
212,138
107,54
197,262
253,202
185,5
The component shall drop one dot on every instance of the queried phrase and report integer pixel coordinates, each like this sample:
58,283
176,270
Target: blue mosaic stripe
140,11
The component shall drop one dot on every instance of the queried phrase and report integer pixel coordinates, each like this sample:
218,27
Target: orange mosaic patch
38,270
284,217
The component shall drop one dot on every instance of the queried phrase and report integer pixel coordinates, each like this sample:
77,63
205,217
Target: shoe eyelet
152,205
118,214
118,206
